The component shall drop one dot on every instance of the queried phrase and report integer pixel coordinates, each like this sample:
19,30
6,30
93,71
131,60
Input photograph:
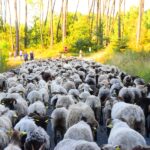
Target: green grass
133,63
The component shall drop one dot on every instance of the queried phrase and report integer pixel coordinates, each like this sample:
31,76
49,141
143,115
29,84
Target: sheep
68,144
104,93
83,96
77,111
3,109
122,135
132,114
44,95
69,85
37,107
75,94
127,81
46,76
30,87
36,139
21,107
26,125
18,89
64,101
15,142
12,115
82,111
139,147
12,82
95,104
58,122
34,96
4,139
2,82
57,88
5,122
115,88
9,102
79,131
127,95
148,125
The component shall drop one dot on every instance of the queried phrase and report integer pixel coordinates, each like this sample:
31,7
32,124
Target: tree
119,20
141,10
64,19
1,20
51,23
17,28
11,35
26,25
41,22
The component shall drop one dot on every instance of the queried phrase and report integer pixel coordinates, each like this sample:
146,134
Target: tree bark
75,14
41,22
1,15
46,13
97,21
51,24
119,20
141,10
101,23
112,11
11,35
26,25
64,23
58,24
17,28
91,28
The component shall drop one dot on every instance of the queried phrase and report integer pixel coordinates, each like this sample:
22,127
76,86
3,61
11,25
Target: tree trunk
11,35
41,22
46,13
91,29
1,15
26,25
97,21
141,10
119,21
17,28
75,14
101,23
5,11
111,16
51,24
107,20
64,23
58,24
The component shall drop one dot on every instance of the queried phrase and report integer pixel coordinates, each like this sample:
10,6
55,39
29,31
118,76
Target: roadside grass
134,63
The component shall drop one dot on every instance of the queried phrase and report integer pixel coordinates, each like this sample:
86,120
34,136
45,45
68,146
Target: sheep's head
9,102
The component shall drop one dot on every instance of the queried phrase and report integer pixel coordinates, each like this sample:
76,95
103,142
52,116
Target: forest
108,32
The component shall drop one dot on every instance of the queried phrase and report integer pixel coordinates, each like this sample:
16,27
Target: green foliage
133,63
120,45
3,55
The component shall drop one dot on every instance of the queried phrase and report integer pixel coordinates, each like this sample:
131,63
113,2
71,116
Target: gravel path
101,136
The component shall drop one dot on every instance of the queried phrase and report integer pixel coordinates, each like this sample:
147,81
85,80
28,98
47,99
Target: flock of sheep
83,95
